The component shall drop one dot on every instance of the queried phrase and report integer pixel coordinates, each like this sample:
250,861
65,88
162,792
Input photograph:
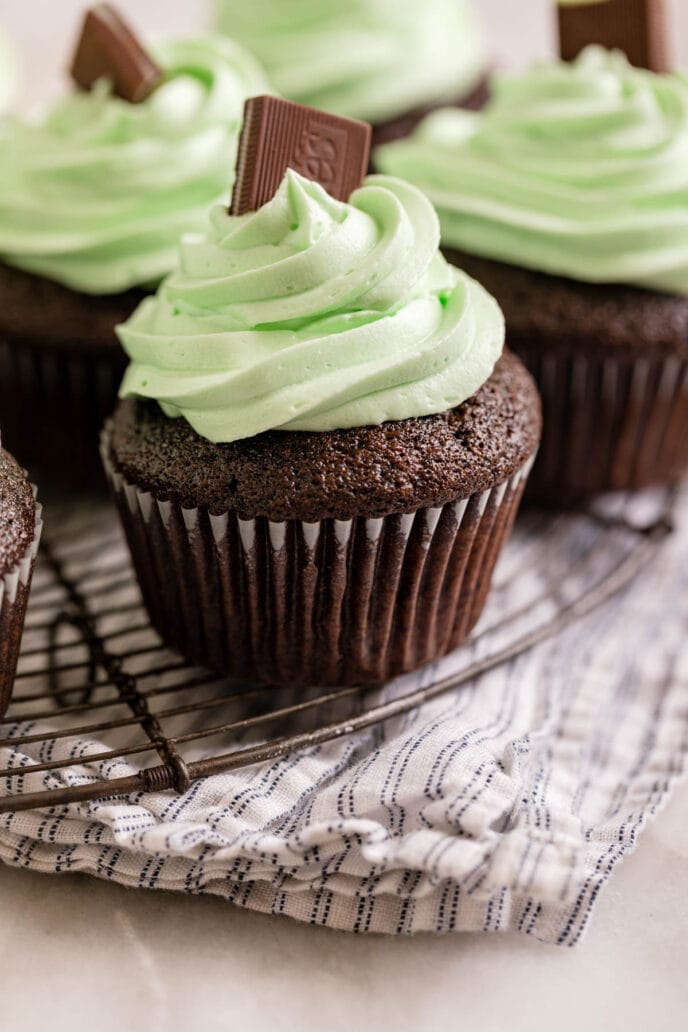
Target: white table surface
80,954
88,955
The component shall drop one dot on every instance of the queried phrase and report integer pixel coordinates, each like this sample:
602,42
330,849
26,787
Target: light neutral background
86,955
45,30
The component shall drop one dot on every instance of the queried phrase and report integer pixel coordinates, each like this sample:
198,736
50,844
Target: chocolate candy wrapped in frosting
579,170
371,59
313,314
95,191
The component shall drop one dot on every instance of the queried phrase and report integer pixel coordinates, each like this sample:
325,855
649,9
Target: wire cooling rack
93,670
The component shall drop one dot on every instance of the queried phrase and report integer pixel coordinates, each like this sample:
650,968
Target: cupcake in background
7,73
95,192
20,531
567,197
385,61
320,448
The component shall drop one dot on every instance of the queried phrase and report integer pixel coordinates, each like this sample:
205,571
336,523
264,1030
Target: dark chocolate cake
371,471
19,531
611,363
60,367
17,513
574,316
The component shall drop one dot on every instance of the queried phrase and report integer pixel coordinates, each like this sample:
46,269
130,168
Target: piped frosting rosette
370,59
95,192
577,169
311,314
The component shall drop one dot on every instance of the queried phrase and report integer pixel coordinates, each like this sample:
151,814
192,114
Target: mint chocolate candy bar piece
278,134
638,27
108,49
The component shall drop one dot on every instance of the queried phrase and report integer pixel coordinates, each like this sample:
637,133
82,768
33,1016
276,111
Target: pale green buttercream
574,169
371,59
311,314
95,192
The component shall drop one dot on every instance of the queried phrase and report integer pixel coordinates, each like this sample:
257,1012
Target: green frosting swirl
96,192
574,169
311,314
370,59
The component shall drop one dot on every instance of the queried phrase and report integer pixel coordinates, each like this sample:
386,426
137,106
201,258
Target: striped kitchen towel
503,805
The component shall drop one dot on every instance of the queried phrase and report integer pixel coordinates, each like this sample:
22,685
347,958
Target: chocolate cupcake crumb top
369,471
17,513
574,317
52,316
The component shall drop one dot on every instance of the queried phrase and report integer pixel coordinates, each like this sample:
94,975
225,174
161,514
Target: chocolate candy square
638,27
278,134
108,49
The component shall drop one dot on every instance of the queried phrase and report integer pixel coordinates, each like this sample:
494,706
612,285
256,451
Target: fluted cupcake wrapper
53,403
609,423
14,596
334,602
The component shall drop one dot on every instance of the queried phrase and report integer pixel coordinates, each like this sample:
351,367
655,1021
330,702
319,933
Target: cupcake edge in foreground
544,198
69,275
310,541
20,531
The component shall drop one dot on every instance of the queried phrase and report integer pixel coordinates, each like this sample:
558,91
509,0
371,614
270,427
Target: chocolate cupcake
20,530
320,452
566,197
94,195
386,63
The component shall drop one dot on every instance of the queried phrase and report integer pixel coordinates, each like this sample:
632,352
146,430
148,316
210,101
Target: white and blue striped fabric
504,805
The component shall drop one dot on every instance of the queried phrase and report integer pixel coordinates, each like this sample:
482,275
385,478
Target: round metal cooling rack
97,692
